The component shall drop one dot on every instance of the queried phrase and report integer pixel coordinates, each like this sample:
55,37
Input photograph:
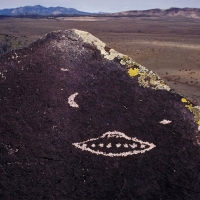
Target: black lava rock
82,121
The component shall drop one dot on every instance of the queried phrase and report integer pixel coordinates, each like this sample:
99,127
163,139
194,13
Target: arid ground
170,47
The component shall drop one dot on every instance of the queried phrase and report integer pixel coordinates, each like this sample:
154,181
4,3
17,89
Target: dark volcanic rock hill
82,121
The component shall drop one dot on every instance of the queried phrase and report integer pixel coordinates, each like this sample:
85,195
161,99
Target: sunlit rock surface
81,121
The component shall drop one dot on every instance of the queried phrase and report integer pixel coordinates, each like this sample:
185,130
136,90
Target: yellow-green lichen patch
187,103
196,112
184,100
146,78
129,62
194,109
142,81
189,106
133,72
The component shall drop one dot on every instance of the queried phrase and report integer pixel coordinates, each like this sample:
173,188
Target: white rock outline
117,134
165,121
71,101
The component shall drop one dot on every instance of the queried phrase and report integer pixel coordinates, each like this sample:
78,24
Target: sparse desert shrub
4,47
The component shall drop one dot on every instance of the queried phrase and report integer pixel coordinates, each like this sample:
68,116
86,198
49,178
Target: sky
103,5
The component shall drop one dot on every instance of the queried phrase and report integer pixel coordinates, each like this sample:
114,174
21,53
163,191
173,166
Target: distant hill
172,12
44,11
40,10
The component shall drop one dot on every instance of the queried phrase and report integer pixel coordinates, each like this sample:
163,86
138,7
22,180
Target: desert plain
168,46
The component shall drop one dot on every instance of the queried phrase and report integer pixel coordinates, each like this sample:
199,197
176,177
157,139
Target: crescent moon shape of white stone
71,101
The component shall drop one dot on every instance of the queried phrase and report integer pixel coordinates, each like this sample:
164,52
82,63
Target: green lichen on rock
129,62
194,109
146,78
149,79
196,112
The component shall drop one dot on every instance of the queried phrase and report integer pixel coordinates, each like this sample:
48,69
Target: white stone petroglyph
116,147
165,121
101,145
71,101
64,69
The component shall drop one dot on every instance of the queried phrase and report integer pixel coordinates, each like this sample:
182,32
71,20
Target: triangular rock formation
82,121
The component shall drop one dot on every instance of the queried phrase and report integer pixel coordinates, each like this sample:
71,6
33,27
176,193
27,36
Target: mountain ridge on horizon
40,10
156,12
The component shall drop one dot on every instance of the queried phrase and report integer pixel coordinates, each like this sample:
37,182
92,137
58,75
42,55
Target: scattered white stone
93,145
16,55
165,121
3,77
133,146
126,145
11,150
64,69
101,145
109,145
118,145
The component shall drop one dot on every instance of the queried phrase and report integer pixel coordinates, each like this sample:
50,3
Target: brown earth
168,46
